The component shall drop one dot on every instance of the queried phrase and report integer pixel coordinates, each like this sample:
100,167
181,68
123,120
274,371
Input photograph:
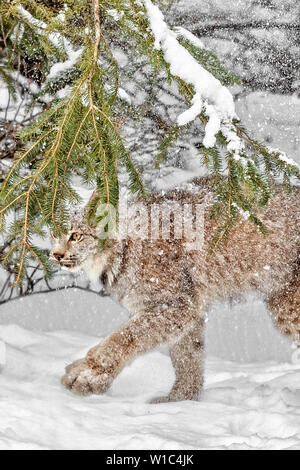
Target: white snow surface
243,406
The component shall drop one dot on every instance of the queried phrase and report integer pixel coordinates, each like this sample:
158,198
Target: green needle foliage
81,133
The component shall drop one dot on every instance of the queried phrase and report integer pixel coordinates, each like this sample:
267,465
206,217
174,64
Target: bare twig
207,29
100,293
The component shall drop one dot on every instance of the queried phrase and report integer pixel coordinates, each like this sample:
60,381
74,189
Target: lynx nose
58,256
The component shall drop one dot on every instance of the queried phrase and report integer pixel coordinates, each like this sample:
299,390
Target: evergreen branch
57,143
40,258
10,252
137,185
21,266
46,116
22,158
11,203
75,140
171,136
97,29
102,152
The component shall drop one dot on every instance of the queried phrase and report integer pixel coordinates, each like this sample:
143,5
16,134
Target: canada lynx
167,288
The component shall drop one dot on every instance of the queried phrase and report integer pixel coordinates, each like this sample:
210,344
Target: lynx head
75,247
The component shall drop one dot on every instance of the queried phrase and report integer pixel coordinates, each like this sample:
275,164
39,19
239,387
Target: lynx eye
75,237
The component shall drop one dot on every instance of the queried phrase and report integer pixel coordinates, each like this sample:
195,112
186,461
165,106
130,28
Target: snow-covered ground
244,405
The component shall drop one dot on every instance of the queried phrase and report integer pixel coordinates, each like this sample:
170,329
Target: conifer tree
79,133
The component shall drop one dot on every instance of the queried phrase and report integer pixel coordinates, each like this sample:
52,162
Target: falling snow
251,397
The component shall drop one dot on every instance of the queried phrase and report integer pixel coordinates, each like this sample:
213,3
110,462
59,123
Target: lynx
168,288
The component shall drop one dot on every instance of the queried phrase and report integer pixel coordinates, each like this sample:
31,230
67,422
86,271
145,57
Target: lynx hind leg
187,359
285,309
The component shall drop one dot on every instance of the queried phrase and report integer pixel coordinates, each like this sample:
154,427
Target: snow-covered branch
58,41
210,94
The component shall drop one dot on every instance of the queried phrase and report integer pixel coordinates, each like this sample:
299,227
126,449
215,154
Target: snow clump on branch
210,94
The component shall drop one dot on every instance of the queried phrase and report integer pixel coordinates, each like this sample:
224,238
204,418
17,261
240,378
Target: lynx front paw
83,379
